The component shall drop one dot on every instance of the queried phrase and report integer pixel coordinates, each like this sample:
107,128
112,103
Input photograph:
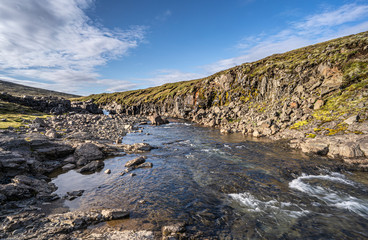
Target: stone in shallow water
137,147
145,165
73,195
173,231
92,166
113,214
68,167
136,161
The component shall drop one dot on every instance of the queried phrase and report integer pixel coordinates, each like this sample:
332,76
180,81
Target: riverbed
226,187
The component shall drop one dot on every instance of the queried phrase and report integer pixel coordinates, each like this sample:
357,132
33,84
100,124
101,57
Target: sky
93,46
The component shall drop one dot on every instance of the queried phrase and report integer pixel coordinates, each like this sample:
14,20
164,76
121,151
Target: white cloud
348,19
114,85
346,13
56,41
171,75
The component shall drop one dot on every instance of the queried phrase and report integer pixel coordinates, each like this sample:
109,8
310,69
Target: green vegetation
299,124
311,135
347,54
20,90
14,115
345,102
153,94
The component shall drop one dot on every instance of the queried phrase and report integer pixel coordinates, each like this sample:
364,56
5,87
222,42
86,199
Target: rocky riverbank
60,143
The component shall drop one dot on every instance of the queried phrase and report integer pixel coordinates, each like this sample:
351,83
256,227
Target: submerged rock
73,195
92,166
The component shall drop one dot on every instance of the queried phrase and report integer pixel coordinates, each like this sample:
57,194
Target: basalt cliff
317,96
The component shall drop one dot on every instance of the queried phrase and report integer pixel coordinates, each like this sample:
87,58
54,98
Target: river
226,187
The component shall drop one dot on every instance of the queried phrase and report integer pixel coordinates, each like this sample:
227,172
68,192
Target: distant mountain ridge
20,90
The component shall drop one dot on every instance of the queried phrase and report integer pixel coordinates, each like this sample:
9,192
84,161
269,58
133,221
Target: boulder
51,133
352,119
114,214
92,166
23,187
145,165
38,123
68,167
345,150
175,231
316,146
50,150
86,153
136,161
157,120
318,104
73,195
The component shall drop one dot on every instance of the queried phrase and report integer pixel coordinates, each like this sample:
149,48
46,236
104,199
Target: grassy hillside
20,90
15,115
346,53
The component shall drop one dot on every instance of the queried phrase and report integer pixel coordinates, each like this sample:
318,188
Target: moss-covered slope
348,55
20,90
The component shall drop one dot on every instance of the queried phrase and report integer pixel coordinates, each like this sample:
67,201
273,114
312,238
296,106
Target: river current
226,187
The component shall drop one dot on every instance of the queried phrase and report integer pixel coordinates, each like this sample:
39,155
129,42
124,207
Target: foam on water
332,198
274,207
227,146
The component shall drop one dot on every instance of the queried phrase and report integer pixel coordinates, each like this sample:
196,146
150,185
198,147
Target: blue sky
94,46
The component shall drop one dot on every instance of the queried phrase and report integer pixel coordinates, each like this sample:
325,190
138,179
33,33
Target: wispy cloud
55,41
347,19
163,16
169,76
115,85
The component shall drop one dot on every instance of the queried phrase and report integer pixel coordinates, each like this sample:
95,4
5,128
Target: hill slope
20,90
325,80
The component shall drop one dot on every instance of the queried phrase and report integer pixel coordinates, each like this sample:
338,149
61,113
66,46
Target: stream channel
226,187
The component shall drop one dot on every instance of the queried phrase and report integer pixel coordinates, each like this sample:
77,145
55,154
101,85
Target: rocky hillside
316,91
20,90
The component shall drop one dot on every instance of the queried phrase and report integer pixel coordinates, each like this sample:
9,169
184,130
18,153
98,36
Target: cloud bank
57,43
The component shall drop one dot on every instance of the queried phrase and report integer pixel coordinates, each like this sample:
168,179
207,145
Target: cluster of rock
52,105
352,148
35,225
86,126
28,155
139,162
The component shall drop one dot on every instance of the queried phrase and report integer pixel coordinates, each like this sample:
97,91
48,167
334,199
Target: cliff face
323,82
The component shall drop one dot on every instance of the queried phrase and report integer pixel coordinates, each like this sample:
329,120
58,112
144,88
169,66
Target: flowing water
226,187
